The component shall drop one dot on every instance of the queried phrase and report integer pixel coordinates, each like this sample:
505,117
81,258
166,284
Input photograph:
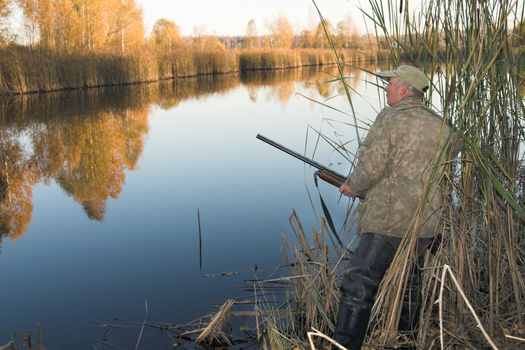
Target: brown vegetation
30,70
72,44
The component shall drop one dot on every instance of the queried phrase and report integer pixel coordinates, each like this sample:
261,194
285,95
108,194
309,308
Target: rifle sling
327,215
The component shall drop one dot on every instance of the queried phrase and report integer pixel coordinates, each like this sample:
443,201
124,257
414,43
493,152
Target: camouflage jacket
395,167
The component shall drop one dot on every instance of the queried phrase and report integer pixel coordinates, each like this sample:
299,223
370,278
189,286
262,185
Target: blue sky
230,17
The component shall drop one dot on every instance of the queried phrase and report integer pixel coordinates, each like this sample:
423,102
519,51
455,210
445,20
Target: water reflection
18,174
87,140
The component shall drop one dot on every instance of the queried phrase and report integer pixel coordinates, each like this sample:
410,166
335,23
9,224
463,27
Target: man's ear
405,89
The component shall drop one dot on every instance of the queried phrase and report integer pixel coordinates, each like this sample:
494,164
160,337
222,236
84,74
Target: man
396,165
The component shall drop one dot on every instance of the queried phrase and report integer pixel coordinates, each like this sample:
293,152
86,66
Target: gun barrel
297,155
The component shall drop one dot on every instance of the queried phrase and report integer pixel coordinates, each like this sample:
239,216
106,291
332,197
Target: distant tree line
81,25
117,26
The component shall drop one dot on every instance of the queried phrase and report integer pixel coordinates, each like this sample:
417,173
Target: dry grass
215,332
30,70
256,59
308,297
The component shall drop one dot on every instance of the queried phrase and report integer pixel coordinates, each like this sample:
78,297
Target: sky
230,17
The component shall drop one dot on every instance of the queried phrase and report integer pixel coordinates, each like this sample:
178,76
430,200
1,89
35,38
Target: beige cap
410,75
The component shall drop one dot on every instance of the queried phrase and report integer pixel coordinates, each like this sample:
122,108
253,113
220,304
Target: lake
100,191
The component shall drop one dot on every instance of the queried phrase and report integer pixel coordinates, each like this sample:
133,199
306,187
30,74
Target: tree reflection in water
85,140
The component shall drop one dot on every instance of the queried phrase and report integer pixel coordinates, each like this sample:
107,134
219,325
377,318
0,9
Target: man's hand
346,190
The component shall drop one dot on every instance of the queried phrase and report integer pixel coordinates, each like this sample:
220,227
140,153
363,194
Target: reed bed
477,81
311,292
474,284
31,70
265,59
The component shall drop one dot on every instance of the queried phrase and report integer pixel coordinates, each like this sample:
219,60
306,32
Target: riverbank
32,70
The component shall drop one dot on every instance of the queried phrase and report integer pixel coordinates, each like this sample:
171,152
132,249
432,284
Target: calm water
100,192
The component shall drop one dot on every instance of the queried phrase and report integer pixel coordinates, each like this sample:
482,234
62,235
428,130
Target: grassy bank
27,70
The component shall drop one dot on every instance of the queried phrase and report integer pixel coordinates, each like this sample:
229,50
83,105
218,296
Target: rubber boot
365,270
352,323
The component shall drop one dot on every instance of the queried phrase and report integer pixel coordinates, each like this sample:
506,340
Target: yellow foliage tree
30,11
320,35
125,25
4,13
4,8
251,39
92,15
67,26
165,34
306,39
282,33
342,34
39,18
208,43
45,17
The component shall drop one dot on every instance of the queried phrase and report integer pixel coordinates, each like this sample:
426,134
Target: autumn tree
321,40
45,13
93,17
208,43
347,35
165,34
67,26
306,39
342,35
4,8
125,25
5,11
30,11
251,40
39,16
63,24
282,33
93,25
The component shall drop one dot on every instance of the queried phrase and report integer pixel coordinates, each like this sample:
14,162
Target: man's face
396,90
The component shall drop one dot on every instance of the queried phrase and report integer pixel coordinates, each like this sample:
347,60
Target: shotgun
324,173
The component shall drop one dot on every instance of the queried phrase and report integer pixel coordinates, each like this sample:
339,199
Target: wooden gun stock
333,179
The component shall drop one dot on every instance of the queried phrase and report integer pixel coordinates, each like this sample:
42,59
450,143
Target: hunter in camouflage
396,163
399,166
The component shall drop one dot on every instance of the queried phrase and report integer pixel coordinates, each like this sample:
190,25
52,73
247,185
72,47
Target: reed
311,292
31,70
467,47
259,59
469,50
267,59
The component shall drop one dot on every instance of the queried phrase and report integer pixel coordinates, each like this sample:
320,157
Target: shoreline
31,71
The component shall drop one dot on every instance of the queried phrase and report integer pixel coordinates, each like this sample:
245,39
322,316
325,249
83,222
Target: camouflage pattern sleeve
372,159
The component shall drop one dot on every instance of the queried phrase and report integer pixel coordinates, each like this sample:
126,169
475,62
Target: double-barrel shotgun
323,173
